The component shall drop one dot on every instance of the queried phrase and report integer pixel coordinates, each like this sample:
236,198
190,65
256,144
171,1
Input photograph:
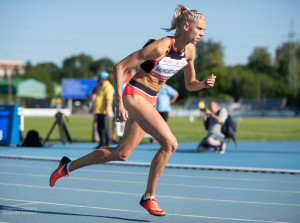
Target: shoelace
154,204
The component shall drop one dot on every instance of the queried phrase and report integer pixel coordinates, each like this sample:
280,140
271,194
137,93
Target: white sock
147,198
68,165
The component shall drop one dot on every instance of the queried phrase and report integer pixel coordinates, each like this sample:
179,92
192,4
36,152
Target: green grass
249,129
80,128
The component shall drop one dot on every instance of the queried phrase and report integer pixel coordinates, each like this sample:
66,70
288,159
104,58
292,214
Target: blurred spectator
95,135
166,96
56,102
213,118
102,106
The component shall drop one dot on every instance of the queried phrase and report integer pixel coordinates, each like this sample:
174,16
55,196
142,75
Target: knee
210,140
171,146
121,156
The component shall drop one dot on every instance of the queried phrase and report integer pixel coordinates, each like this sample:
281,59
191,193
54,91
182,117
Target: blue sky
50,31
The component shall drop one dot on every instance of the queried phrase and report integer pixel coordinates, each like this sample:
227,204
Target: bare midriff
150,82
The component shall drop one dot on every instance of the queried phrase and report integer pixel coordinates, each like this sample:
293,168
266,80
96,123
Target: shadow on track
4,208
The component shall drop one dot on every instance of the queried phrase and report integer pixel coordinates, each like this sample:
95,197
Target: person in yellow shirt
102,104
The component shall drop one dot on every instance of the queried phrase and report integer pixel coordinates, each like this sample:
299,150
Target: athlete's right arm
153,51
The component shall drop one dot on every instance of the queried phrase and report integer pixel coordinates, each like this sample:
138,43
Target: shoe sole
52,175
159,215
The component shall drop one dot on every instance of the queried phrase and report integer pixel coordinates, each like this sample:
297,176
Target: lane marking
133,211
175,166
14,205
167,175
163,184
136,194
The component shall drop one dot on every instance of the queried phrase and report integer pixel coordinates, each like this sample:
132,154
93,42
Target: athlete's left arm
191,83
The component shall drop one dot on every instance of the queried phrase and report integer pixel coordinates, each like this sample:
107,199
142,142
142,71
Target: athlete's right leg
133,134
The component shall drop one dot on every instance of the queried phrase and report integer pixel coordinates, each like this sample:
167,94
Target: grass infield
249,128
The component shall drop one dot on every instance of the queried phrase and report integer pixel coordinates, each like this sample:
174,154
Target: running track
258,182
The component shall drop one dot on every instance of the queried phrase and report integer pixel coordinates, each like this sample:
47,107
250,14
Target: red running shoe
61,171
152,207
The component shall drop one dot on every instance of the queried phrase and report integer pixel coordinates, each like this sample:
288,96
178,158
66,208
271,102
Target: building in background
21,91
10,68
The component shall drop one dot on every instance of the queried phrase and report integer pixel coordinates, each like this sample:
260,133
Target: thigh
218,137
148,118
132,136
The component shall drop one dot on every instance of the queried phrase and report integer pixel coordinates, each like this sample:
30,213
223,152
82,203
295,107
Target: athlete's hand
209,82
121,113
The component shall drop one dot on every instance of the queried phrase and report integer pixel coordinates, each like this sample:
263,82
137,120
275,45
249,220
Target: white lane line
133,211
164,184
136,194
167,175
176,166
22,204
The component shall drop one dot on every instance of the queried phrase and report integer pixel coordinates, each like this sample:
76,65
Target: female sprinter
159,61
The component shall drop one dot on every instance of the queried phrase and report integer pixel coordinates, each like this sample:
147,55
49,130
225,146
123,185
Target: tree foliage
261,77
77,66
42,74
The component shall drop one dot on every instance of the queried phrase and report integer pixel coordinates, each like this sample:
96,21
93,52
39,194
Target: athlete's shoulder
157,48
162,44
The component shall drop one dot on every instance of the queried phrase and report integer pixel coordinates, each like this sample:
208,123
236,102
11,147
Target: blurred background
50,52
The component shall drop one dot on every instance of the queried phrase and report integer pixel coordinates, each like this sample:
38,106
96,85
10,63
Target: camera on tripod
63,131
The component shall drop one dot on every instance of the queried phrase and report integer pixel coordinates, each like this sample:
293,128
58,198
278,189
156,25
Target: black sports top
169,65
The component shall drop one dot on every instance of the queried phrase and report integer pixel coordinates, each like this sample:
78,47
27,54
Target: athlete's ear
186,26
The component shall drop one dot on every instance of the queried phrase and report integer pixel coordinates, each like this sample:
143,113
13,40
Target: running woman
159,60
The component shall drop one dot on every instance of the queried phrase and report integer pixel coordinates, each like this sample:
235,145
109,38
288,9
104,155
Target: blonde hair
183,14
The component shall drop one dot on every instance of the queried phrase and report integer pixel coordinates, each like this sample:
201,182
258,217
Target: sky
43,31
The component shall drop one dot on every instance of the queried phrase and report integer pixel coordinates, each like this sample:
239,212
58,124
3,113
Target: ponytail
183,14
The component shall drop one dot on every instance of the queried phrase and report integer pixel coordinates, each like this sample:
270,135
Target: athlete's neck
179,43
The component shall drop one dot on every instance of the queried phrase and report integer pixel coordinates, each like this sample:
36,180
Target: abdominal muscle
150,82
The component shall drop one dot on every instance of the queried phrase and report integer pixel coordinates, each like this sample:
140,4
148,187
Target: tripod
63,131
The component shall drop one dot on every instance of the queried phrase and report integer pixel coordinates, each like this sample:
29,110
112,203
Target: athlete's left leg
151,122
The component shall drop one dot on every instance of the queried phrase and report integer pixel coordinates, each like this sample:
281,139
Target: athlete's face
196,30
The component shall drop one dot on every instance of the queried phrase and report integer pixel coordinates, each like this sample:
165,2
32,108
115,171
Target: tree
246,82
53,69
42,74
288,56
208,60
209,55
260,61
77,66
16,73
100,65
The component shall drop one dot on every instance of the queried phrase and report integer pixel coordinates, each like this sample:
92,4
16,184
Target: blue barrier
9,125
